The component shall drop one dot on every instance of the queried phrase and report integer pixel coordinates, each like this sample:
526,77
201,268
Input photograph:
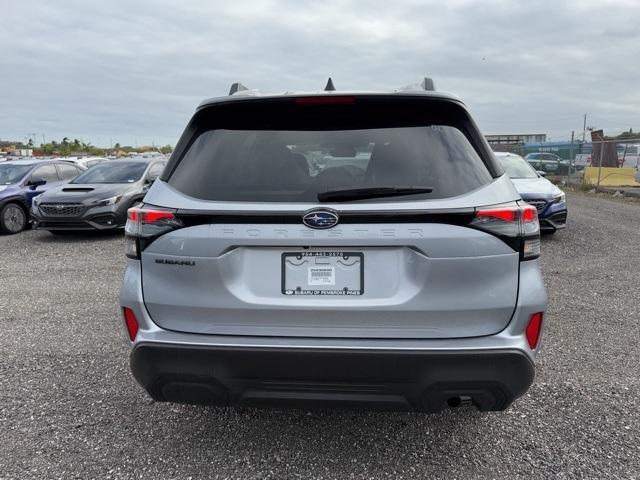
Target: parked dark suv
330,249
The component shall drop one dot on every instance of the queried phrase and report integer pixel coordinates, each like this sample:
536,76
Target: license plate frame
327,254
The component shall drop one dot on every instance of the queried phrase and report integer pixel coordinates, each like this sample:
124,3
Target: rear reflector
131,322
533,330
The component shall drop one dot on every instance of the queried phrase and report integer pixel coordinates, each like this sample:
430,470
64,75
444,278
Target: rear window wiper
372,192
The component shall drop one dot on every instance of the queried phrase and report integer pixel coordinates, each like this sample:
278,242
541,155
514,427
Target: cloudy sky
133,71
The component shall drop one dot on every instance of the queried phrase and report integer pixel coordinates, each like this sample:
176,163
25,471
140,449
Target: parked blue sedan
21,180
536,190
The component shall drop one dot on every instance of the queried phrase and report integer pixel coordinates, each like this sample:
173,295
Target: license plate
322,273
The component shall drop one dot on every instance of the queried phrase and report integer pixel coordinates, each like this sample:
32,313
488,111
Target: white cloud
135,70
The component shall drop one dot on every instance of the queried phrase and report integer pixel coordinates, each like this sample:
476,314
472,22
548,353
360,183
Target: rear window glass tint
294,166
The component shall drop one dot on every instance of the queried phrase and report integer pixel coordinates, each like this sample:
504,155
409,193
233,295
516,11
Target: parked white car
630,156
85,162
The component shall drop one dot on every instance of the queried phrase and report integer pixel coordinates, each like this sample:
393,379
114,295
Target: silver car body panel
420,280
532,298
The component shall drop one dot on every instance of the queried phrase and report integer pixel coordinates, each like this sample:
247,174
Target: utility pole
584,128
571,158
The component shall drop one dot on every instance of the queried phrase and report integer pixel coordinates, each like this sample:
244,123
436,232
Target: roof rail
236,87
427,84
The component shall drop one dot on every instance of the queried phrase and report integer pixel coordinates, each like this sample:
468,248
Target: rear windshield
295,165
115,171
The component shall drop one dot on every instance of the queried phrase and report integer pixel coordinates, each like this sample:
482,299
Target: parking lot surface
69,407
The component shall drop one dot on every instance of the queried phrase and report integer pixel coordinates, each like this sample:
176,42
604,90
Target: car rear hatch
246,254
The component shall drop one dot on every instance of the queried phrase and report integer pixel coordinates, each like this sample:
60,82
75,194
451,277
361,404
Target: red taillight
529,213
516,224
149,222
149,215
533,330
325,100
509,214
133,215
131,322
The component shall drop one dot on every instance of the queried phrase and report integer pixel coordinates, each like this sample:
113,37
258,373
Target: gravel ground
70,409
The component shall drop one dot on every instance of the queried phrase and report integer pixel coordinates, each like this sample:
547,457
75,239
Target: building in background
563,149
515,142
516,138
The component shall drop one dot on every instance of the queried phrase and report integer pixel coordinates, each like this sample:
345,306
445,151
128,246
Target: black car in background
98,199
548,163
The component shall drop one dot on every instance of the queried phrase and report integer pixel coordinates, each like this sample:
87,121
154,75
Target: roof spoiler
236,87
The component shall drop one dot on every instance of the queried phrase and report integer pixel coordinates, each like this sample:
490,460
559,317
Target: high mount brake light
516,224
325,100
146,223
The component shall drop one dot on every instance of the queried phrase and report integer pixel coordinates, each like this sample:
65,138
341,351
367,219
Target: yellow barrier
611,177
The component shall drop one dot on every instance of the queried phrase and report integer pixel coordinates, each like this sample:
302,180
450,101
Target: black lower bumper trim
336,378
557,221
73,225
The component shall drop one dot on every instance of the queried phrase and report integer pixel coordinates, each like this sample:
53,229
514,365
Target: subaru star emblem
320,219
59,207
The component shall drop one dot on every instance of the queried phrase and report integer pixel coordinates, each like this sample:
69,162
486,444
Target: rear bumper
390,374
418,380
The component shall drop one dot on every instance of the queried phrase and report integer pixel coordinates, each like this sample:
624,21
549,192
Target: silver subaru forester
333,249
